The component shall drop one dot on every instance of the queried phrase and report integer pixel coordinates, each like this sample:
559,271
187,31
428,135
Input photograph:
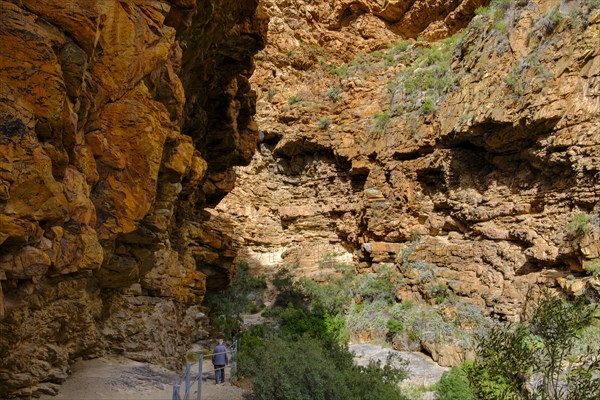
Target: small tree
537,361
557,323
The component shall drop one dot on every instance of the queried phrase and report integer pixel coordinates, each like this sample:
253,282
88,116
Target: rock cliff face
119,122
469,164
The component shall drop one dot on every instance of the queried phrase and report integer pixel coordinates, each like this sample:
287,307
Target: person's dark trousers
220,373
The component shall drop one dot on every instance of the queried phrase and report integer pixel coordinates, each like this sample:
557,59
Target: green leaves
454,385
242,297
539,360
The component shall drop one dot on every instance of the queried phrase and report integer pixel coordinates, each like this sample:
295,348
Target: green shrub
496,10
309,369
240,298
333,297
377,381
502,27
377,286
342,71
294,370
580,224
335,328
482,10
454,385
334,93
395,326
538,360
288,292
302,353
293,100
513,81
400,46
324,123
428,107
554,17
370,317
420,87
296,322
381,121
396,53
439,292
506,359
593,267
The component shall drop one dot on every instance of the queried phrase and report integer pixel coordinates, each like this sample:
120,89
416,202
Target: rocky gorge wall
120,121
464,164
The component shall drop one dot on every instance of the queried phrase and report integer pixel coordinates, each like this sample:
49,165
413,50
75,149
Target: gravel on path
119,378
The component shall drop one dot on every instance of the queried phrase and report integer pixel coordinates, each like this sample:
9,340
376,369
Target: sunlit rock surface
119,122
475,191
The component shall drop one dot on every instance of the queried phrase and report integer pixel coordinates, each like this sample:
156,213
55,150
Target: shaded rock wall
474,193
119,122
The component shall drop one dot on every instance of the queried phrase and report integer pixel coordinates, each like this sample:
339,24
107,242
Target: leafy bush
580,224
454,385
333,297
381,121
341,71
309,369
420,87
240,298
335,328
395,326
288,292
324,123
371,317
334,93
593,267
496,10
439,291
539,360
428,107
293,356
397,52
377,286
296,322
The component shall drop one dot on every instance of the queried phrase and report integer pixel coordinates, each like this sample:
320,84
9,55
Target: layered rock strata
120,121
474,184
298,201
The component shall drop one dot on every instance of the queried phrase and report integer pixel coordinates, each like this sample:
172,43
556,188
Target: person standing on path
219,360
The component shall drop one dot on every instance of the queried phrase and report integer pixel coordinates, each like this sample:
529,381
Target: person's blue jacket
220,355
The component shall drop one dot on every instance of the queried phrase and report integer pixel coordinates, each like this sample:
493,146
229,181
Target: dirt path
119,378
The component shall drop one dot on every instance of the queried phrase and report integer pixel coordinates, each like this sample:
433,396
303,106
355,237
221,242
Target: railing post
200,362
234,358
188,369
176,392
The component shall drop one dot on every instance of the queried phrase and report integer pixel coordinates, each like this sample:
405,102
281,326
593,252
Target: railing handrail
214,354
188,367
